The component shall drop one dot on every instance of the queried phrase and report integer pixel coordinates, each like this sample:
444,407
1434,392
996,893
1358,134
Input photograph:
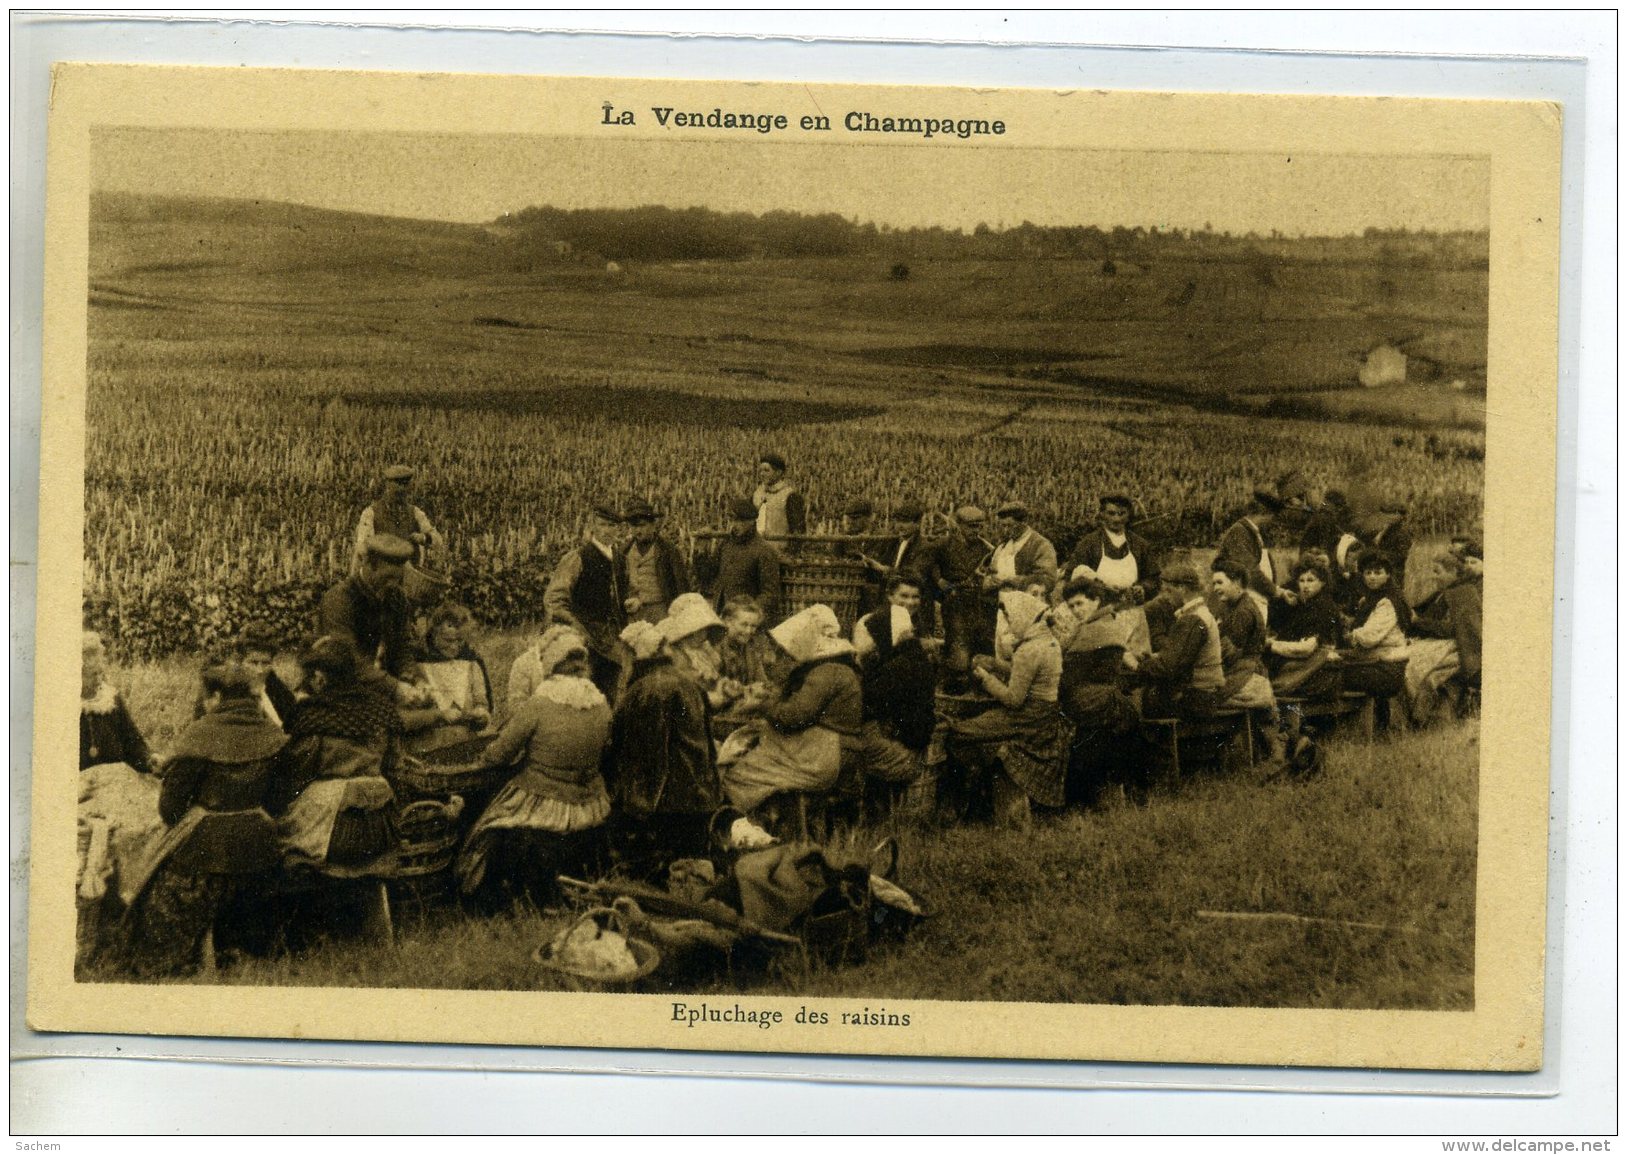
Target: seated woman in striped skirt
549,818
1020,741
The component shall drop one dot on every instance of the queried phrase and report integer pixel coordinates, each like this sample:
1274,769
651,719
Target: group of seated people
710,712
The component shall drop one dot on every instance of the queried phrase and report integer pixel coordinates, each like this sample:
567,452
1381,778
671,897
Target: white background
59,1094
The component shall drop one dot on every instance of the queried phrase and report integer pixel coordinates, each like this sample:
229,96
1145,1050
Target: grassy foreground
1097,907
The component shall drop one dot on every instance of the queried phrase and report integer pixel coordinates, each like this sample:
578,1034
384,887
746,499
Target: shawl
888,630
105,701
355,713
799,674
577,693
1371,598
1318,618
236,733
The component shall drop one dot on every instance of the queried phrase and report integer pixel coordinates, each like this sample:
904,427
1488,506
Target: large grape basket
839,583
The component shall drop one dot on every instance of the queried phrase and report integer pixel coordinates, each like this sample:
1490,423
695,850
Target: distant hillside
140,235
1387,326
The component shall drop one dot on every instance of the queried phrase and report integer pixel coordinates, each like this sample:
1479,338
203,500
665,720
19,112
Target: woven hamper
834,582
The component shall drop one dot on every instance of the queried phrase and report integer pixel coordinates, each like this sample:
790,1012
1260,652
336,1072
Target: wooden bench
1348,705
1219,728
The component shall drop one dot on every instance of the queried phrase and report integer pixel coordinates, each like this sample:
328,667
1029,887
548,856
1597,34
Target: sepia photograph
750,566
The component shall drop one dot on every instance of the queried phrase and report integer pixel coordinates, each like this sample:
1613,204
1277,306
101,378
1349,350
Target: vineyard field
251,369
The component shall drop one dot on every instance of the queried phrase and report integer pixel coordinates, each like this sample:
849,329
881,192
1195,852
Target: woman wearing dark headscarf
343,740
1303,635
220,835
898,681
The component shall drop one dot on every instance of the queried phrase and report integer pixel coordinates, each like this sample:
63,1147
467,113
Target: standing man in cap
950,570
1245,543
780,510
858,517
906,555
1122,563
583,593
1023,560
904,552
369,611
395,514
743,563
650,571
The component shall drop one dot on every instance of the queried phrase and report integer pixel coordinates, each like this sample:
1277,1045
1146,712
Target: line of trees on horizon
659,232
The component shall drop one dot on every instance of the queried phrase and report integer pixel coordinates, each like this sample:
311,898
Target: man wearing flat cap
1328,522
1023,560
950,569
395,514
780,509
905,555
370,612
650,570
1245,542
584,593
743,563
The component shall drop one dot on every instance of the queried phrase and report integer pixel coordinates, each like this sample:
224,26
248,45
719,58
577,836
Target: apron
455,684
307,825
807,762
1118,573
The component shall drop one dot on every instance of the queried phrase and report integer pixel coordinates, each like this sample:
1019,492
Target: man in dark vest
650,569
395,514
584,593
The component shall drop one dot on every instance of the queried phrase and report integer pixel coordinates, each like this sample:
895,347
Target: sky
476,178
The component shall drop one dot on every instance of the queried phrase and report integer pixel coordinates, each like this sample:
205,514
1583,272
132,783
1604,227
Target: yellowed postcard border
1503,1032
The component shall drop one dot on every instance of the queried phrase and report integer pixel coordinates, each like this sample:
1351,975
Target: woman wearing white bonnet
813,721
548,818
693,630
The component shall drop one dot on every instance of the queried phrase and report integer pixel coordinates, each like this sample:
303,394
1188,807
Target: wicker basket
429,836
450,770
836,582
645,954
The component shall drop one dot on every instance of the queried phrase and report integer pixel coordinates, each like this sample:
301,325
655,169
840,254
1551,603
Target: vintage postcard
797,568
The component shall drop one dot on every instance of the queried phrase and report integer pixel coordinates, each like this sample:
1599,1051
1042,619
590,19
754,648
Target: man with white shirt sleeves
1245,543
781,512
394,514
1024,559
583,593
